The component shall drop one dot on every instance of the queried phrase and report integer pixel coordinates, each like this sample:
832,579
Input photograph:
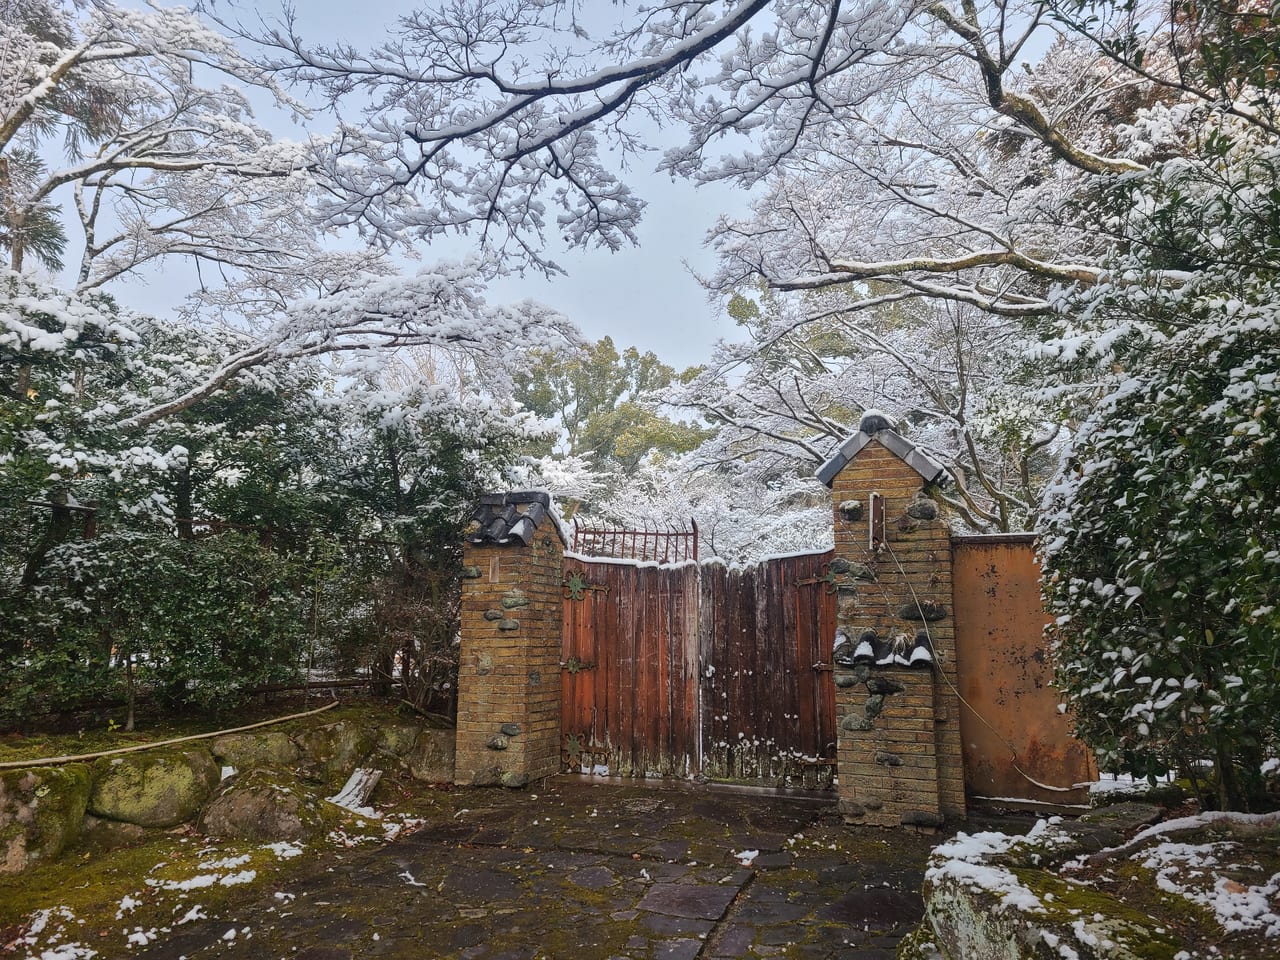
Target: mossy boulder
333,750
246,751
397,740
966,922
264,806
154,788
431,759
1006,898
41,810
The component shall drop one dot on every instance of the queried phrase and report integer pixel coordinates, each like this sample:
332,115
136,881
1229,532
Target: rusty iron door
699,670
1012,730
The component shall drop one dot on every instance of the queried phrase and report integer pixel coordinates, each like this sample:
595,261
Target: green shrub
195,623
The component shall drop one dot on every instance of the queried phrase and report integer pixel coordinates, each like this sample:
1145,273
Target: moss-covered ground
1174,890
112,896
562,869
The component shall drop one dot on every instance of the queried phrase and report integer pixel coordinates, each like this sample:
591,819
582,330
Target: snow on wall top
876,426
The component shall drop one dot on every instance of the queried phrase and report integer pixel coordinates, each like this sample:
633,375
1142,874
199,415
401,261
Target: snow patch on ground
51,924
1124,783
284,850
227,863
127,904
140,937
1187,870
198,882
410,879
68,951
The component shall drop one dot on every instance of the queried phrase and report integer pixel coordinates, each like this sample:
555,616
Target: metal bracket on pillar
875,521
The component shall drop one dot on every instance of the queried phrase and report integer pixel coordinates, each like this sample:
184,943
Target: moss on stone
159,788
245,751
41,810
1066,903
919,944
335,749
396,740
263,805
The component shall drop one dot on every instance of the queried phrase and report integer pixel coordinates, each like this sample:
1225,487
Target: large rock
966,922
265,806
397,739
154,788
1001,897
100,835
431,759
41,810
333,750
246,751
1127,817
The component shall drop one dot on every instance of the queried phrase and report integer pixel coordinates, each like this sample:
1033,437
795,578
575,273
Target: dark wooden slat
612,656
806,705
826,681
793,622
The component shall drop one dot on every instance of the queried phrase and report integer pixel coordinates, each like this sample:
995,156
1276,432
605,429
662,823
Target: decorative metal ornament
575,587
576,666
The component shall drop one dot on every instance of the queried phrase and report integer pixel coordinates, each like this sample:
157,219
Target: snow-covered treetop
145,115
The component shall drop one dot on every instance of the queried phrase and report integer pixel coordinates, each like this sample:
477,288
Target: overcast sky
644,296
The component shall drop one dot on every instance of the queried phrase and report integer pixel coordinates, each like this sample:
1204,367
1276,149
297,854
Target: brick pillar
898,751
509,661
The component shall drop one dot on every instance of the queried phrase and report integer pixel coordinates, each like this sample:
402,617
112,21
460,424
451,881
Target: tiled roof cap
509,518
876,426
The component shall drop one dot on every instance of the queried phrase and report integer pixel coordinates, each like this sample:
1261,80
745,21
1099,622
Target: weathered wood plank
702,668
357,790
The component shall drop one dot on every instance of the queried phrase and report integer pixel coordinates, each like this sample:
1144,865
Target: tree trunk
183,507
58,531
132,693
1230,795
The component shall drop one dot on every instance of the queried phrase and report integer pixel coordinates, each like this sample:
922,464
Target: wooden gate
700,670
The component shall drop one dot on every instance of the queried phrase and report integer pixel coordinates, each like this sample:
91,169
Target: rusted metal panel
1010,724
678,670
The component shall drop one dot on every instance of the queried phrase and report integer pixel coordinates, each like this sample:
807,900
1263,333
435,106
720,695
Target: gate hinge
827,577
576,587
574,665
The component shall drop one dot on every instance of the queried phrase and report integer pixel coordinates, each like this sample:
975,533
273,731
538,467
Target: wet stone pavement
573,869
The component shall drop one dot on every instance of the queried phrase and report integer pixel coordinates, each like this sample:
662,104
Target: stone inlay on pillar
509,660
898,734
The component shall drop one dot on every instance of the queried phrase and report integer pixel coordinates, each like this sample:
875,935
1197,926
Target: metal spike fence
670,544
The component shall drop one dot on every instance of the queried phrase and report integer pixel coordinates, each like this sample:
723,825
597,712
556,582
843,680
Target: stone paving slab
571,869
